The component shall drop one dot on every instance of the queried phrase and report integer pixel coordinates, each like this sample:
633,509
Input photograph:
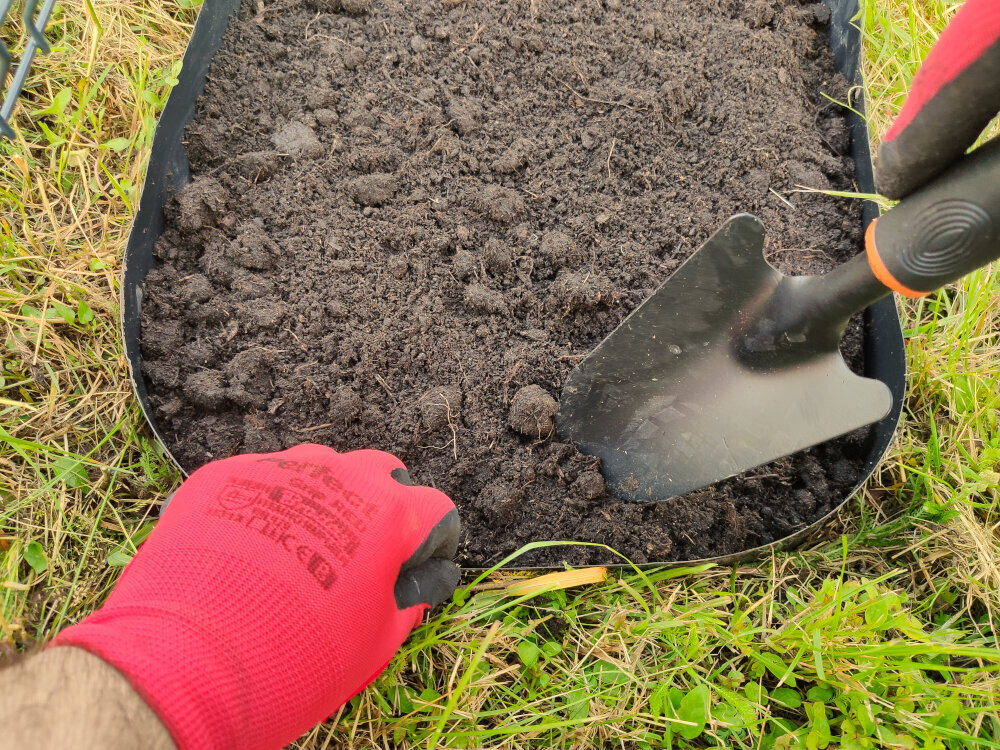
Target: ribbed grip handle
943,231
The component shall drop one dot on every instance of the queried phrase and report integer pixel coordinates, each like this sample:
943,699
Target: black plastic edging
168,171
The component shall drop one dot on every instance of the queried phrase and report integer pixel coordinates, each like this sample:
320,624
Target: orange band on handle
879,269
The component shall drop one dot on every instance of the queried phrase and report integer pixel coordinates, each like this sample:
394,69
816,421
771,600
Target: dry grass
77,472
873,623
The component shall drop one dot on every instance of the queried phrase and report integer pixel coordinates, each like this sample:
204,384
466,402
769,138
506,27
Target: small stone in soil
326,116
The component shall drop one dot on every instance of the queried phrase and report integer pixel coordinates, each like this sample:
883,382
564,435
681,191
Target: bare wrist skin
68,698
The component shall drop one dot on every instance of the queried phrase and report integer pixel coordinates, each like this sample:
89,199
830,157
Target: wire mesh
34,24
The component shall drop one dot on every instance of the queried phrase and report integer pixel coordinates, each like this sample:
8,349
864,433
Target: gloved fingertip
441,541
898,175
430,583
303,451
376,460
402,476
429,576
165,503
452,525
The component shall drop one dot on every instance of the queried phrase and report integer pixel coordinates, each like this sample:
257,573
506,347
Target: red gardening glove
273,589
954,95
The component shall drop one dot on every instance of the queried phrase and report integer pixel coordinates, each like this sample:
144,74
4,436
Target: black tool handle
939,233
944,230
947,223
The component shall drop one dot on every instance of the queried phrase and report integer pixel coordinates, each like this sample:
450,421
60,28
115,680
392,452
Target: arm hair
68,698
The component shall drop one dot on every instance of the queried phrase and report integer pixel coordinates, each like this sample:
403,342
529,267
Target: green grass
878,635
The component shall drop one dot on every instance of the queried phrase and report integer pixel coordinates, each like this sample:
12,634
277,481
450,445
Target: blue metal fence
35,25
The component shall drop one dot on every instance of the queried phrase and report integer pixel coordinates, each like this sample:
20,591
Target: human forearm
68,698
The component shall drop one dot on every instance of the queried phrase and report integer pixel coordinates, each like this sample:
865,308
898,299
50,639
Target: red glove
954,95
273,589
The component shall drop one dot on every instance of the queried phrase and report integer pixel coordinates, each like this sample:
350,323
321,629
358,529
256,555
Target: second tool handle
944,230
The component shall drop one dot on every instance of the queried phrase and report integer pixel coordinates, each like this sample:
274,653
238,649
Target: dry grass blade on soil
881,639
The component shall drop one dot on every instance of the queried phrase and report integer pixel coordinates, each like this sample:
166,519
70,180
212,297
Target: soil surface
408,223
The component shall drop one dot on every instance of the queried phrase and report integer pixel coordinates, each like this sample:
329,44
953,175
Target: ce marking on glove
284,516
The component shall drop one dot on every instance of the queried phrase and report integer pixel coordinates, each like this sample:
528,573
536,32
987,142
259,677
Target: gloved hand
273,589
954,95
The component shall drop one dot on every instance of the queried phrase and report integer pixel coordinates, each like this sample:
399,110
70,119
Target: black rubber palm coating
430,576
943,129
402,476
946,229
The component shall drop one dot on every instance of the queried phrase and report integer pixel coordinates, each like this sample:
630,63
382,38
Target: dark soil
408,224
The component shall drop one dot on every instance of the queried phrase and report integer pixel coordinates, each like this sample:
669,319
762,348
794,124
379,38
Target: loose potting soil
409,222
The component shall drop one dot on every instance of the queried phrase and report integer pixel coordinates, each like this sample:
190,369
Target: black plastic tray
169,170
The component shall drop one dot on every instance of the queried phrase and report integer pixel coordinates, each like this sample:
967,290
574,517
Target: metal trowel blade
668,405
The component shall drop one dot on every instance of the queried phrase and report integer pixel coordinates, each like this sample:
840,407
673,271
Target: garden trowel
731,364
